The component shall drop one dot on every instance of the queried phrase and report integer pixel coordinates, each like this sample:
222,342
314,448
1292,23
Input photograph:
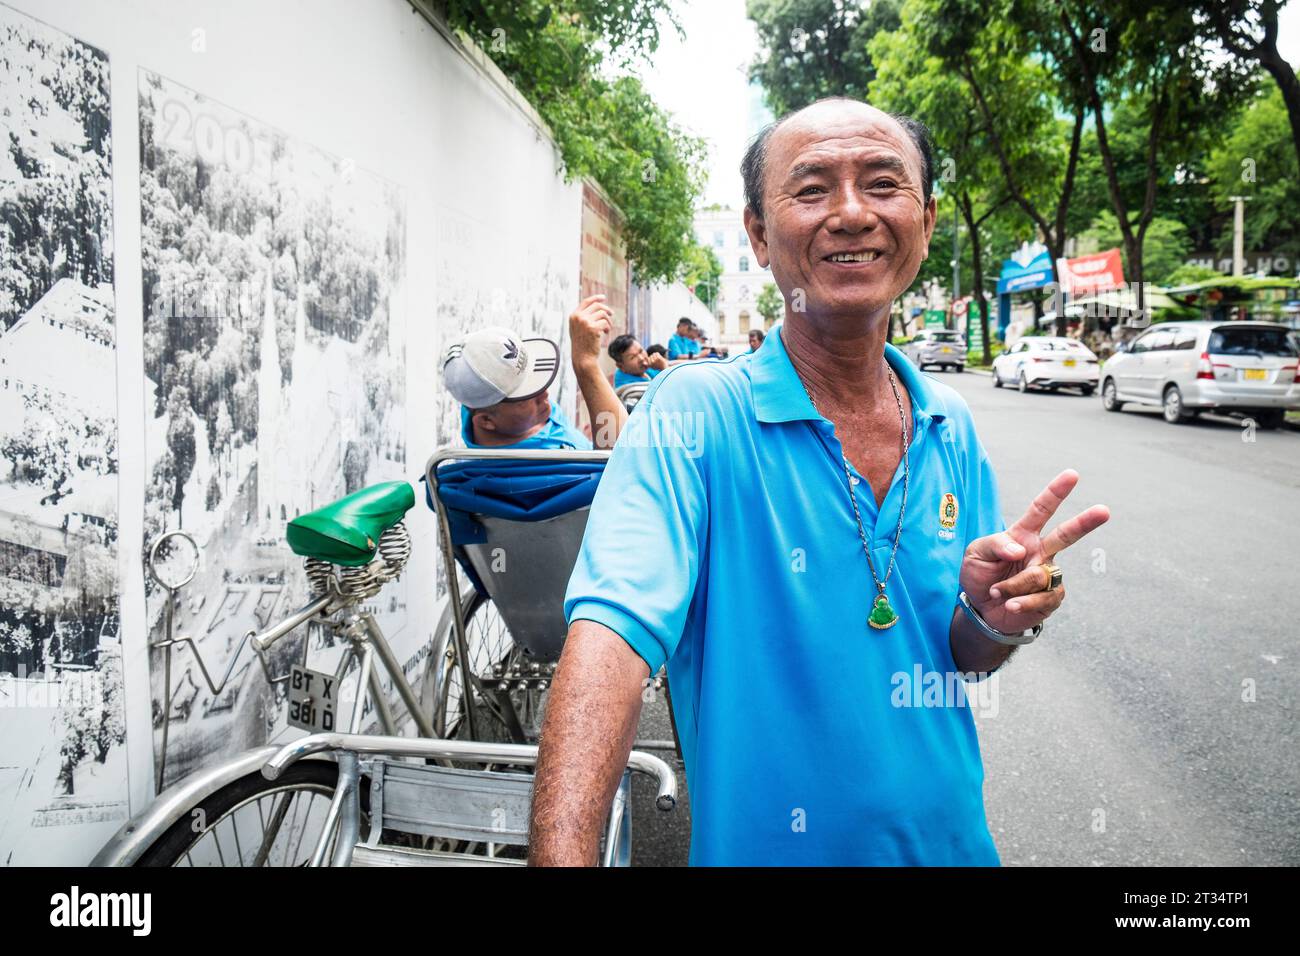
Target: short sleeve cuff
637,636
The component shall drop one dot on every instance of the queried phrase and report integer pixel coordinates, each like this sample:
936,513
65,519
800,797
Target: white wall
670,302
492,231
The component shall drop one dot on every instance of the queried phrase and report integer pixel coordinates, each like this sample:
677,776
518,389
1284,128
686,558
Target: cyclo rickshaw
457,792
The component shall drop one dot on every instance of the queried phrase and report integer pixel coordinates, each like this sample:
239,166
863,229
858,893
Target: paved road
1129,711
1123,737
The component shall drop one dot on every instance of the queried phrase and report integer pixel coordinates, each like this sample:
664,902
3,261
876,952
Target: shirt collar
779,395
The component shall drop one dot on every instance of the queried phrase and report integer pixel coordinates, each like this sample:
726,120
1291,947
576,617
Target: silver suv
937,347
1244,368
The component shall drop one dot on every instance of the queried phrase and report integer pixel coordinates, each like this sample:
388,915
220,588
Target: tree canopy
1112,123
570,59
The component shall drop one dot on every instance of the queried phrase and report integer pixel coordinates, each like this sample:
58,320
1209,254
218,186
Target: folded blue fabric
514,490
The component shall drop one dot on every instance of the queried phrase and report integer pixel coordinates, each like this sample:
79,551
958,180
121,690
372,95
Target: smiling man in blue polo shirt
825,466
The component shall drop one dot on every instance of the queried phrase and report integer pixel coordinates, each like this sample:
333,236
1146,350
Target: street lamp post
956,254
712,286
1239,234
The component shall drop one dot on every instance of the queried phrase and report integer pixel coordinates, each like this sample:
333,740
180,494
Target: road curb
979,371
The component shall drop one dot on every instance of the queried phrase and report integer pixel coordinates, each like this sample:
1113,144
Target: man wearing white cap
503,384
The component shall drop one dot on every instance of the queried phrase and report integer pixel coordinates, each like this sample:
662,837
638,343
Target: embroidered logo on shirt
947,515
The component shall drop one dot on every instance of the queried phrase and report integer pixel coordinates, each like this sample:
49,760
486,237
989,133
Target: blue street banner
1030,267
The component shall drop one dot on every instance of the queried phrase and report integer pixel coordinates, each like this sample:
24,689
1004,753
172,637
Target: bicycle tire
181,840
449,704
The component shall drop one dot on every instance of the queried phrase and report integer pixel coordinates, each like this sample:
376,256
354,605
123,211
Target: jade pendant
882,615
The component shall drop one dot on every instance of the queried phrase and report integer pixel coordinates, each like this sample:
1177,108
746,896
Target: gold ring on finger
1054,577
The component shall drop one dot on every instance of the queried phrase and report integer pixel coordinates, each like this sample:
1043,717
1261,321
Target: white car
1242,368
1047,361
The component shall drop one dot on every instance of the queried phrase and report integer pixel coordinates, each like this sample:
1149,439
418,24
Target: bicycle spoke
216,839
279,807
311,802
239,853
290,857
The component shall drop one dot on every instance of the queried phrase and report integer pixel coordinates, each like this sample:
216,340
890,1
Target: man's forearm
603,407
587,734
971,650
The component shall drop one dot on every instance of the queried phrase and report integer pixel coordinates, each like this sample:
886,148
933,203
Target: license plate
1070,363
1255,374
946,349
312,696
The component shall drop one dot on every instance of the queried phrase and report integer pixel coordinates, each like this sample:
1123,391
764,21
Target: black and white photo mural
274,341
63,780
474,291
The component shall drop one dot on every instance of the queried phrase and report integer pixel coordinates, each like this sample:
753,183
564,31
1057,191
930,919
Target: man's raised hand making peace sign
1007,576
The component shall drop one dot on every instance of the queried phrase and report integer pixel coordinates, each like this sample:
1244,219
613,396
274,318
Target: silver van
1243,368
937,347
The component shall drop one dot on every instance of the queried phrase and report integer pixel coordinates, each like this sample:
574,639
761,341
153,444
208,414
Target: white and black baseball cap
494,365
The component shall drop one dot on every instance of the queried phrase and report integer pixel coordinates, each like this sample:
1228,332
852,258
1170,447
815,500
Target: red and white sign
1101,272
959,307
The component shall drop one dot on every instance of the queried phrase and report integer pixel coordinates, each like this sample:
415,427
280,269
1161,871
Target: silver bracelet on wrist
1026,637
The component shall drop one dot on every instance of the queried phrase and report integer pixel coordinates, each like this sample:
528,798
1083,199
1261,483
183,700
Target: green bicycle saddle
347,531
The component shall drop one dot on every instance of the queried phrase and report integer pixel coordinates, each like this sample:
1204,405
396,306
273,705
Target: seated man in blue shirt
634,363
827,722
502,382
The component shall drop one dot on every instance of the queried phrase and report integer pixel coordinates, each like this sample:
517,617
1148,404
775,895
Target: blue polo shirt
808,737
680,346
558,432
622,378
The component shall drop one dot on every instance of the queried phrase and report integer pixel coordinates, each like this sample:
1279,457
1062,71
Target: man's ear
931,217
484,421
757,236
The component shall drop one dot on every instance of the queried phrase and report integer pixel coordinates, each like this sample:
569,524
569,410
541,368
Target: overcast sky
701,80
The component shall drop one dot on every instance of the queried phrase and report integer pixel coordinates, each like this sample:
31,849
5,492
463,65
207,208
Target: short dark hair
754,164
620,345
684,321
758,332
656,349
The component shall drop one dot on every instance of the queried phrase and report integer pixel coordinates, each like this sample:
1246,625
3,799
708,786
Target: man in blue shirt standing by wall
682,345
856,490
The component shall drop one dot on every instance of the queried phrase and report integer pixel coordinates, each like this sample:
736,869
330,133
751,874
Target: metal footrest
364,855
477,805
484,807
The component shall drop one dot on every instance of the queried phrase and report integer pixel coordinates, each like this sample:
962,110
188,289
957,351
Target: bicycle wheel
253,821
489,645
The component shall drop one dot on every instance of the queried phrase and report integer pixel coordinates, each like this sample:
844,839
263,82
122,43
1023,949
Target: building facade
734,307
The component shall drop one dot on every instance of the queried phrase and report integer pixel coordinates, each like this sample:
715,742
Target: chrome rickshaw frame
452,565
418,782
